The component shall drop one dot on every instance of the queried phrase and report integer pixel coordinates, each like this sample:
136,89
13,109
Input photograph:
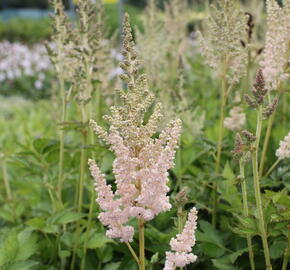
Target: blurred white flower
284,149
38,84
236,120
18,60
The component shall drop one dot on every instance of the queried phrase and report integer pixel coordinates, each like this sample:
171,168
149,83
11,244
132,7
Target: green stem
178,163
266,144
219,148
257,190
133,253
6,181
268,132
61,146
286,253
80,186
180,218
246,212
273,167
141,244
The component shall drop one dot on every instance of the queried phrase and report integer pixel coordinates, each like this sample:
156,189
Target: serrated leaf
228,172
70,217
211,250
27,241
25,265
36,223
98,240
209,234
9,249
277,249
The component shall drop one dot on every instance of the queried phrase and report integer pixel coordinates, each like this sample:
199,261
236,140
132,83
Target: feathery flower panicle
60,48
141,162
284,148
236,120
221,46
153,46
276,53
182,244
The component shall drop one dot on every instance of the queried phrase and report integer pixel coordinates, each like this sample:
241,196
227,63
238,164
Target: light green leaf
9,249
112,266
98,240
27,242
25,265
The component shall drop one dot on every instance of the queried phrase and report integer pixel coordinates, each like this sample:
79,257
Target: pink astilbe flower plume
182,245
141,162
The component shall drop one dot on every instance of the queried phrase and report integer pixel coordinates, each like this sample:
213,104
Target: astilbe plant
141,164
59,52
224,53
249,149
82,62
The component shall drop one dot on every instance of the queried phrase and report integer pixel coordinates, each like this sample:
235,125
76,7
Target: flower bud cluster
259,93
142,162
243,145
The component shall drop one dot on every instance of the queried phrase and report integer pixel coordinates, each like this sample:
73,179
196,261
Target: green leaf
154,258
233,257
105,254
70,217
227,172
211,250
25,265
223,264
98,240
40,144
36,223
277,249
27,241
64,253
210,234
9,249
112,266
65,216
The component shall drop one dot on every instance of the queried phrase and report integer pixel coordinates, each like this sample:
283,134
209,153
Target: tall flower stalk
257,101
60,58
141,162
86,53
223,52
241,153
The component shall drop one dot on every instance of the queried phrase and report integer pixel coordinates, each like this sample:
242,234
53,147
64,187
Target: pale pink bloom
141,181
182,244
284,149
